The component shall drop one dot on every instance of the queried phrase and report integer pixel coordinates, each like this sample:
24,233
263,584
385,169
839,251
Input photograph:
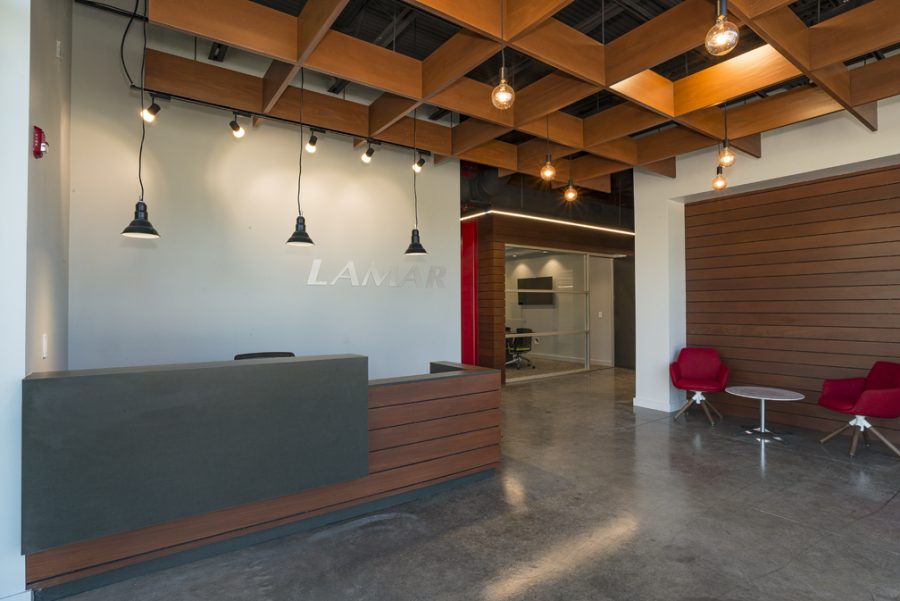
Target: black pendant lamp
415,245
300,237
140,227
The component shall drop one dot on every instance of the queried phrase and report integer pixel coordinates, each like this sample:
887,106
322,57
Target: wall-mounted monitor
536,298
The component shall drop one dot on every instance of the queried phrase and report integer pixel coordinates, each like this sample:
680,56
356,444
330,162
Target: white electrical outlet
599,314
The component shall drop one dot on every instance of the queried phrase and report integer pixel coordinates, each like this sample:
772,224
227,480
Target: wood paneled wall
421,432
494,233
798,284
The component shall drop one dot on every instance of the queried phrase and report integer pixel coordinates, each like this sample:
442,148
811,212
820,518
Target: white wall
48,188
828,143
600,276
220,280
15,139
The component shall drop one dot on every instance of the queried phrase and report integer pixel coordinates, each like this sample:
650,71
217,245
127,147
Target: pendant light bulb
719,182
140,226
236,130
727,158
366,157
417,166
149,113
548,171
503,96
311,145
571,193
723,36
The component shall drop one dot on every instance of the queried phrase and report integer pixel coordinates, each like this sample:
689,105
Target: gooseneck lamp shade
236,129
140,226
300,237
719,182
366,157
311,145
415,246
149,113
723,36
727,158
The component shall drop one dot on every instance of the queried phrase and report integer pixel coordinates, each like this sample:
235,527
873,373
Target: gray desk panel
107,451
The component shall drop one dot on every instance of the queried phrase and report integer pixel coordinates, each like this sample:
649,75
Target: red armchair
699,370
876,395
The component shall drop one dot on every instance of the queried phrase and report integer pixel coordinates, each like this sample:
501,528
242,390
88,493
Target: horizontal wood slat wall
494,233
421,433
797,285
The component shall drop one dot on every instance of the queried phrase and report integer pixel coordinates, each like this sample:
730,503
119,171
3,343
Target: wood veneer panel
796,285
438,428
412,392
387,459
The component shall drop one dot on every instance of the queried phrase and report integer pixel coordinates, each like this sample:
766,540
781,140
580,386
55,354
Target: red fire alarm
39,144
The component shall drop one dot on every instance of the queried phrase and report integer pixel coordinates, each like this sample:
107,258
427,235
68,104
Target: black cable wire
300,160
122,44
143,121
415,178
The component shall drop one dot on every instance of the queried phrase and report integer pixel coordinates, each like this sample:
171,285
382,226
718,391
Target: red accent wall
469,262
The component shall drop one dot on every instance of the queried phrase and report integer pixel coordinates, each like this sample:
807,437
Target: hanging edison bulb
503,95
723,36
548,171
727,158
719,182
571,193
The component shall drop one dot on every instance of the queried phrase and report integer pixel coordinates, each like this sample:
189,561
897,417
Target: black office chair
519,347
269,355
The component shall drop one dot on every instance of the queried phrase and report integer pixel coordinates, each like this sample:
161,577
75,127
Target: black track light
311,144
140,226
149,113
236,129
417,166
366,157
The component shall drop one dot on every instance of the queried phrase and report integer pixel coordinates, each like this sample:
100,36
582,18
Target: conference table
763,394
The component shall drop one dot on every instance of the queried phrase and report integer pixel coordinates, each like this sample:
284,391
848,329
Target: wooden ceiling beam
313,23
276,80
567,49
494,154
473,132
650,90
350,58
549,94
481,16
665,167
601,183
273,33
523,16
532,155
589,167
624,150
875,81
854,33
564,129
785,32
471,98
760,68
783,109
456,57
433,137
676,31
669,143
387,110
617,122
756,8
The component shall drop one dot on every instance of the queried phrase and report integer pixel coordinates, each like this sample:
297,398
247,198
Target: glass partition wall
547,313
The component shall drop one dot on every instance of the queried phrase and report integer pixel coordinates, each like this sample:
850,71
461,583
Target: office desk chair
519,347
269,355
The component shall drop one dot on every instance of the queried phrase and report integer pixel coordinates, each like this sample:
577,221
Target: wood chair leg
833,434
855,442
865,435
885,441
716,411
705,405
683,409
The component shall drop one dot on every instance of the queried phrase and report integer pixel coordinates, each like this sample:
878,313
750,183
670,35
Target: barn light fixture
300,237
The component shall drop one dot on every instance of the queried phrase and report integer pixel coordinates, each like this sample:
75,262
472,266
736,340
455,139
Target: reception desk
126,470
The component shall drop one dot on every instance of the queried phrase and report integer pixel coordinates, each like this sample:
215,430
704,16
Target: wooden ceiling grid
602,143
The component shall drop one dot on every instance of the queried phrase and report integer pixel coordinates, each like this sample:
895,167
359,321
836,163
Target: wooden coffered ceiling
606,107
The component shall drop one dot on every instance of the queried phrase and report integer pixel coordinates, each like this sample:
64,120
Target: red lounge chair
699,370
876,395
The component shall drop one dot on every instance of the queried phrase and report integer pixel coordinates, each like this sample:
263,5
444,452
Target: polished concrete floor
595,501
